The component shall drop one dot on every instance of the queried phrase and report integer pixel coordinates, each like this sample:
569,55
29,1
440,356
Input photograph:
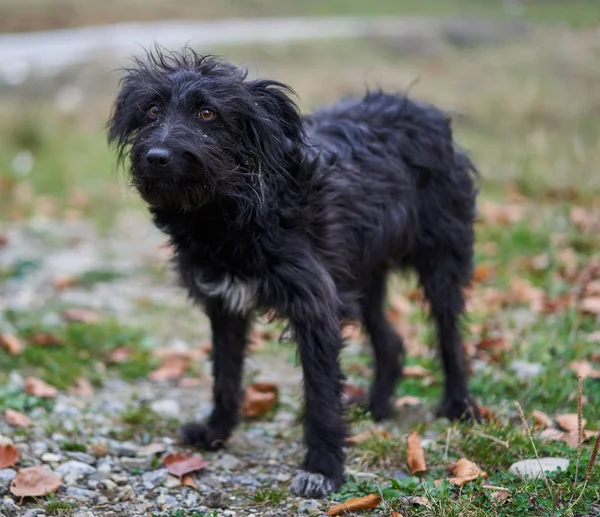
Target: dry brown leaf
63,282
39,388
82,315
359,369
483,272
494,344
367,502
571,438
487,414
181,463
365,435
569,261
551,435
17,419
590,305
415,371
173,367
500,496
353,392
463,471
35,482
83,388
397,514
45,339
522,291
584,369
568,421
12,344
9,455
415,456
259,398
119,355
541,420
408,400
418,500
153,448
500,213
188,481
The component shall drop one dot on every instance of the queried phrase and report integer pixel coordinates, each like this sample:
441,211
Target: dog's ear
274,126
122,120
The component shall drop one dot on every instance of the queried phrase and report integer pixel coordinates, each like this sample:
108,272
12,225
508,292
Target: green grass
270,496
78,350
139,422
59,508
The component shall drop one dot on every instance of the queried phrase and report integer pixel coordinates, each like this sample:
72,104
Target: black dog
304,215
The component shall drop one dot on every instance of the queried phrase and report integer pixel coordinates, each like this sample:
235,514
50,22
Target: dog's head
194,129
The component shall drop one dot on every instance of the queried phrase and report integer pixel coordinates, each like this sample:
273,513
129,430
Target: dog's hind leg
387,346
230,334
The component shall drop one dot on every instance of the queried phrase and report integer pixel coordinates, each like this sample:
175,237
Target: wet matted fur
304,215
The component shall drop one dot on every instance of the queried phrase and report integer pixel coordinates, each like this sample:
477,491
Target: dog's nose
158,157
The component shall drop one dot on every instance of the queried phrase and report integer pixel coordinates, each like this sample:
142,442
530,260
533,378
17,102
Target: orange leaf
487,414
62,282
82,315
35,482
172,367
83,388
360,503
415,453
121,354
188,481
259,398
365,435
584,369
45,339
541,420
397,514
415,371
483,272
17,419
11,344
408,400
39,388
568,422
464,471
353,392
9,455
181,463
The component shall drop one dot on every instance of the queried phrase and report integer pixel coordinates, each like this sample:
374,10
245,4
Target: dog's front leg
314,316
230,334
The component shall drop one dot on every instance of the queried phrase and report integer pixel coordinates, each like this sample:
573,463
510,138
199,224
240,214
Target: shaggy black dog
303,215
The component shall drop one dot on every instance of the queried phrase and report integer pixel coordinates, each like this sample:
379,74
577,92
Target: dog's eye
206,114
153,111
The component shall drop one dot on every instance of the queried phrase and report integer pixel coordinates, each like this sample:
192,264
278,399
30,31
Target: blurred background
84,286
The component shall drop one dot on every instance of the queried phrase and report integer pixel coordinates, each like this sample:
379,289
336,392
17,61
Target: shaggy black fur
304,215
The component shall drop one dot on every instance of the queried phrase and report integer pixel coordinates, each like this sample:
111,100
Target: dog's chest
239,296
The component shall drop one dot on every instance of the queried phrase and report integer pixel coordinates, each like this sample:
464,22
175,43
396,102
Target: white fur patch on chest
237,295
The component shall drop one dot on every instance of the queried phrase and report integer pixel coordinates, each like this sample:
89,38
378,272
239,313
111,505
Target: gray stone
525,371
75,469
32,513
39,448
228,461
50,457
309,507
9,508
154,478
6,476
535,468
166,501
82,494
122,448
83,457
137,463
215,500
166,408
108,484
120,479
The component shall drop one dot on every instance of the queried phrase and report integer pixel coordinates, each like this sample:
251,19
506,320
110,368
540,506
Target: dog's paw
201,435
312,485
463,409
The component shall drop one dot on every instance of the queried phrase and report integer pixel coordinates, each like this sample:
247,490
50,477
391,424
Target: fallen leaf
17,419
181,463
173,367
551,435
568,422
415,456
353,392
82,315
418,500
401,305
83,388
493,343
45,339
500,496
35,482
541,420
11,344
590,305
571,438
594,337
397,514
121,354
39,388
359,369
352,331
569,261
584,369
522,291
463,471
408,400
154,448
3,240
500,213
62,282
367,502
415,371
365,435
99,448
483,272
259,398
487,414
9,455
188,481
